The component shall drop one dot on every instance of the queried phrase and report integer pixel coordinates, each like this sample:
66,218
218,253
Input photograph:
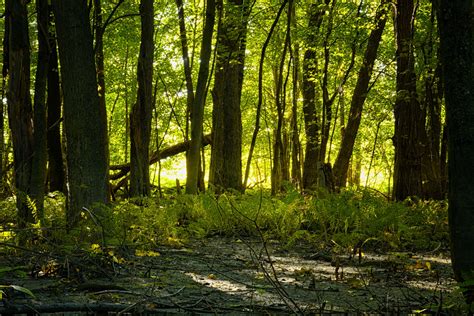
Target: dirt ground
228,276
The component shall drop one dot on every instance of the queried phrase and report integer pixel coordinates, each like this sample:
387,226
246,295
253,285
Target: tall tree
359,95
226,155
20,112
140,118
85,133
55,152
40,153
193,159
409,119
312,161
456,24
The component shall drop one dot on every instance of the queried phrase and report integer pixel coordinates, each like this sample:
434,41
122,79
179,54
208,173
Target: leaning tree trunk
341,164
140,118
85,132
409,119
456,20
226,155
193,159
20,113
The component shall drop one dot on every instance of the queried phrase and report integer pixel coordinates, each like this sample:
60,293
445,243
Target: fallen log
124,169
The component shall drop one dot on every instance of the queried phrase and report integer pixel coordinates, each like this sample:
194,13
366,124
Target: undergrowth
350,219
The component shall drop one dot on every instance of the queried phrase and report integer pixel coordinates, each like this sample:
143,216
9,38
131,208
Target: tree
85,133
55,153
456,25
359,95
312,161
140,118
409,119
40,152
226,155
193,159
20,112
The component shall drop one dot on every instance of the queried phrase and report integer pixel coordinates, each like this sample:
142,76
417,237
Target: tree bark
456,21
85,132
20,113
193,159
359,95
140,118
40,152
55,152
409,118
226,155
312,162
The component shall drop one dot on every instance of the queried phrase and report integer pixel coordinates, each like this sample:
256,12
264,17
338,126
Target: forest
237,157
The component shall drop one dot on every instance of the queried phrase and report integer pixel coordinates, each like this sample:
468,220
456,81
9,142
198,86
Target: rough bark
456,20
312,163
85,133
140,118
20,113
40,152
359,95
226,156
55,153
409,119
193,159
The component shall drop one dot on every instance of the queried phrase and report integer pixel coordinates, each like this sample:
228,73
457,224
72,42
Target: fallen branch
124,169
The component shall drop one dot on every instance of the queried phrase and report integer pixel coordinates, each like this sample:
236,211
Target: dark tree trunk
55,154
456,20
193,158
359,95
20,113
140,118
40,152
409,118
226,156
100,68
312,162
85,132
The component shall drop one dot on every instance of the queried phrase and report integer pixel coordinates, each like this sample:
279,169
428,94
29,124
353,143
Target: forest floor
229,276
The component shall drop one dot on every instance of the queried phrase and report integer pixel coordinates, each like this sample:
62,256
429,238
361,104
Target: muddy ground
228,276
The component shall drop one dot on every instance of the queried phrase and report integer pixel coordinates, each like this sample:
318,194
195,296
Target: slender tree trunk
100,68
20,113
55,153
409,118
260,93
358,98
456,20
140,118
85,132
5,66
193,159
40,152
226,155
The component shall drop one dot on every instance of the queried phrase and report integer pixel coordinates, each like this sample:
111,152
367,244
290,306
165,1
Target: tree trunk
226,155
456,20
358,98
55,154
193,158
312,162
409,119
85,132
20,113
140,118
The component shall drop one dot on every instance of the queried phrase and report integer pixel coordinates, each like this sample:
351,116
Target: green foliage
353,218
